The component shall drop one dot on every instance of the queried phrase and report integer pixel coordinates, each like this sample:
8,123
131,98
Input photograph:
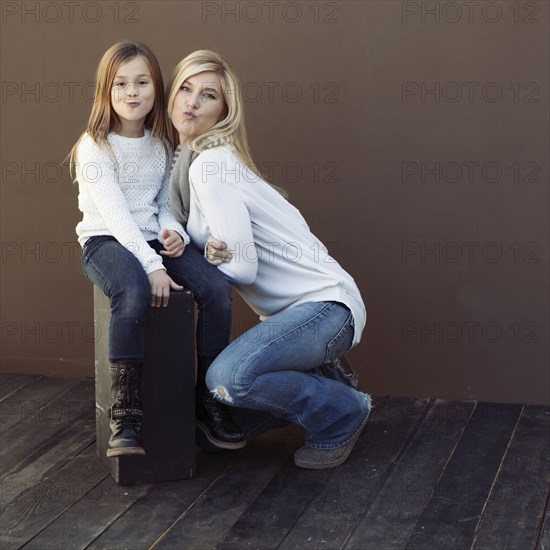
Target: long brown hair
103,118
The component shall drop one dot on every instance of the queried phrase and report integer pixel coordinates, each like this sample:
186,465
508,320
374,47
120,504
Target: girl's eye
210,96
119,84
143,82
185,88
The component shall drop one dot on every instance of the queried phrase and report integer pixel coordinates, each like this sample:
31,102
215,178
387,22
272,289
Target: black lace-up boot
215,430
126,412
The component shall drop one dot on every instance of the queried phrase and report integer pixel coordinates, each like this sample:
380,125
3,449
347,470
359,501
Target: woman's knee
232,375
220,381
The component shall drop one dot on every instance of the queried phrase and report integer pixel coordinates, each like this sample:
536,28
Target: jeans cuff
322,446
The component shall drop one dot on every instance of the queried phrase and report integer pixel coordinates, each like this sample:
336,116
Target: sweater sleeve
97,176
166,218
214,177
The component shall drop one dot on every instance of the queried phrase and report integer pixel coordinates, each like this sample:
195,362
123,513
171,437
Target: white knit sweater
127,199
277,262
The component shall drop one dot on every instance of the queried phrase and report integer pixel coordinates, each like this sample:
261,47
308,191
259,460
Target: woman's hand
173,244
161,283
216,252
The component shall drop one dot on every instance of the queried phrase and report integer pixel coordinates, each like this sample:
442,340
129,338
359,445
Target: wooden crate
168,383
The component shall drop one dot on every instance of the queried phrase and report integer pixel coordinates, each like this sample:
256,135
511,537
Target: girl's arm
214,177
96,174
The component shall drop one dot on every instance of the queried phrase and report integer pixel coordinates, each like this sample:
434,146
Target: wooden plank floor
426,474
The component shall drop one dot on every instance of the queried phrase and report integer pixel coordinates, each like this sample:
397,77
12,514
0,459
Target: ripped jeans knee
220,385
222,394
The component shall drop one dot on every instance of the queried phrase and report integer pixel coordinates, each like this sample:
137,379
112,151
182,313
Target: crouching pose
311,309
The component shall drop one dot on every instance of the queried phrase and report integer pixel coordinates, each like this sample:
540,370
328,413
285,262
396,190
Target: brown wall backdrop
413,136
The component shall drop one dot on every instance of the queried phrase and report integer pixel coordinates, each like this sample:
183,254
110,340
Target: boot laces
216,410
127,395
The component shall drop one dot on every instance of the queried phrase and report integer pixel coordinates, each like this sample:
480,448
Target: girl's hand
173,244
161,283
216,252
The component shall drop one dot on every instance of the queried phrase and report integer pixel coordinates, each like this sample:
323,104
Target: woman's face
198,105
133,93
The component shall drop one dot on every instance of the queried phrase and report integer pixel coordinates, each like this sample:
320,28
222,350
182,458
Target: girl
311,309
133,247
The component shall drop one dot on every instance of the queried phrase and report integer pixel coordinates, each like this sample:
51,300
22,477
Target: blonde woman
311,309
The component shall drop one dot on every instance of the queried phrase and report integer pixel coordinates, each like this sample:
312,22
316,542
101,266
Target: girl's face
198,105
133,95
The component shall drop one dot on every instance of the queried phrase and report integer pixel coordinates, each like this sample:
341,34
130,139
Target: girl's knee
218,294
133,299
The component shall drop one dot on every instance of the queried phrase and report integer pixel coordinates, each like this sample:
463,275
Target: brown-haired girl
133,247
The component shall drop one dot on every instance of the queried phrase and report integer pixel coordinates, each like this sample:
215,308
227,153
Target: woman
311,309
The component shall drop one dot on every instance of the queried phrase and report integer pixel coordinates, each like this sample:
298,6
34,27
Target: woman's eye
119,84
185,88
210,96
143,82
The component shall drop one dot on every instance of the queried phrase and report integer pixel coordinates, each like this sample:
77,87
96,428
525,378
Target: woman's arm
216,252
214,178
166,218
97,175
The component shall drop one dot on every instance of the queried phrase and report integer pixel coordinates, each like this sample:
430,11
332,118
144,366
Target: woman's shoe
321,459
215,429
339,370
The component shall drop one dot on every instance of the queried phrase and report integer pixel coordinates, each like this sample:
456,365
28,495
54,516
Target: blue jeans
120,275
274,367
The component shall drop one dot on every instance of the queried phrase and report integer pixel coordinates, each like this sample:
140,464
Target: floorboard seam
542,518
184,513
303,511
407,443
449,458
504,454
73,504
117,517
48,444
389,472
32,381
59,395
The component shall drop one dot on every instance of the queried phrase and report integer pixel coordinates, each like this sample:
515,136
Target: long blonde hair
103,118
231,129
